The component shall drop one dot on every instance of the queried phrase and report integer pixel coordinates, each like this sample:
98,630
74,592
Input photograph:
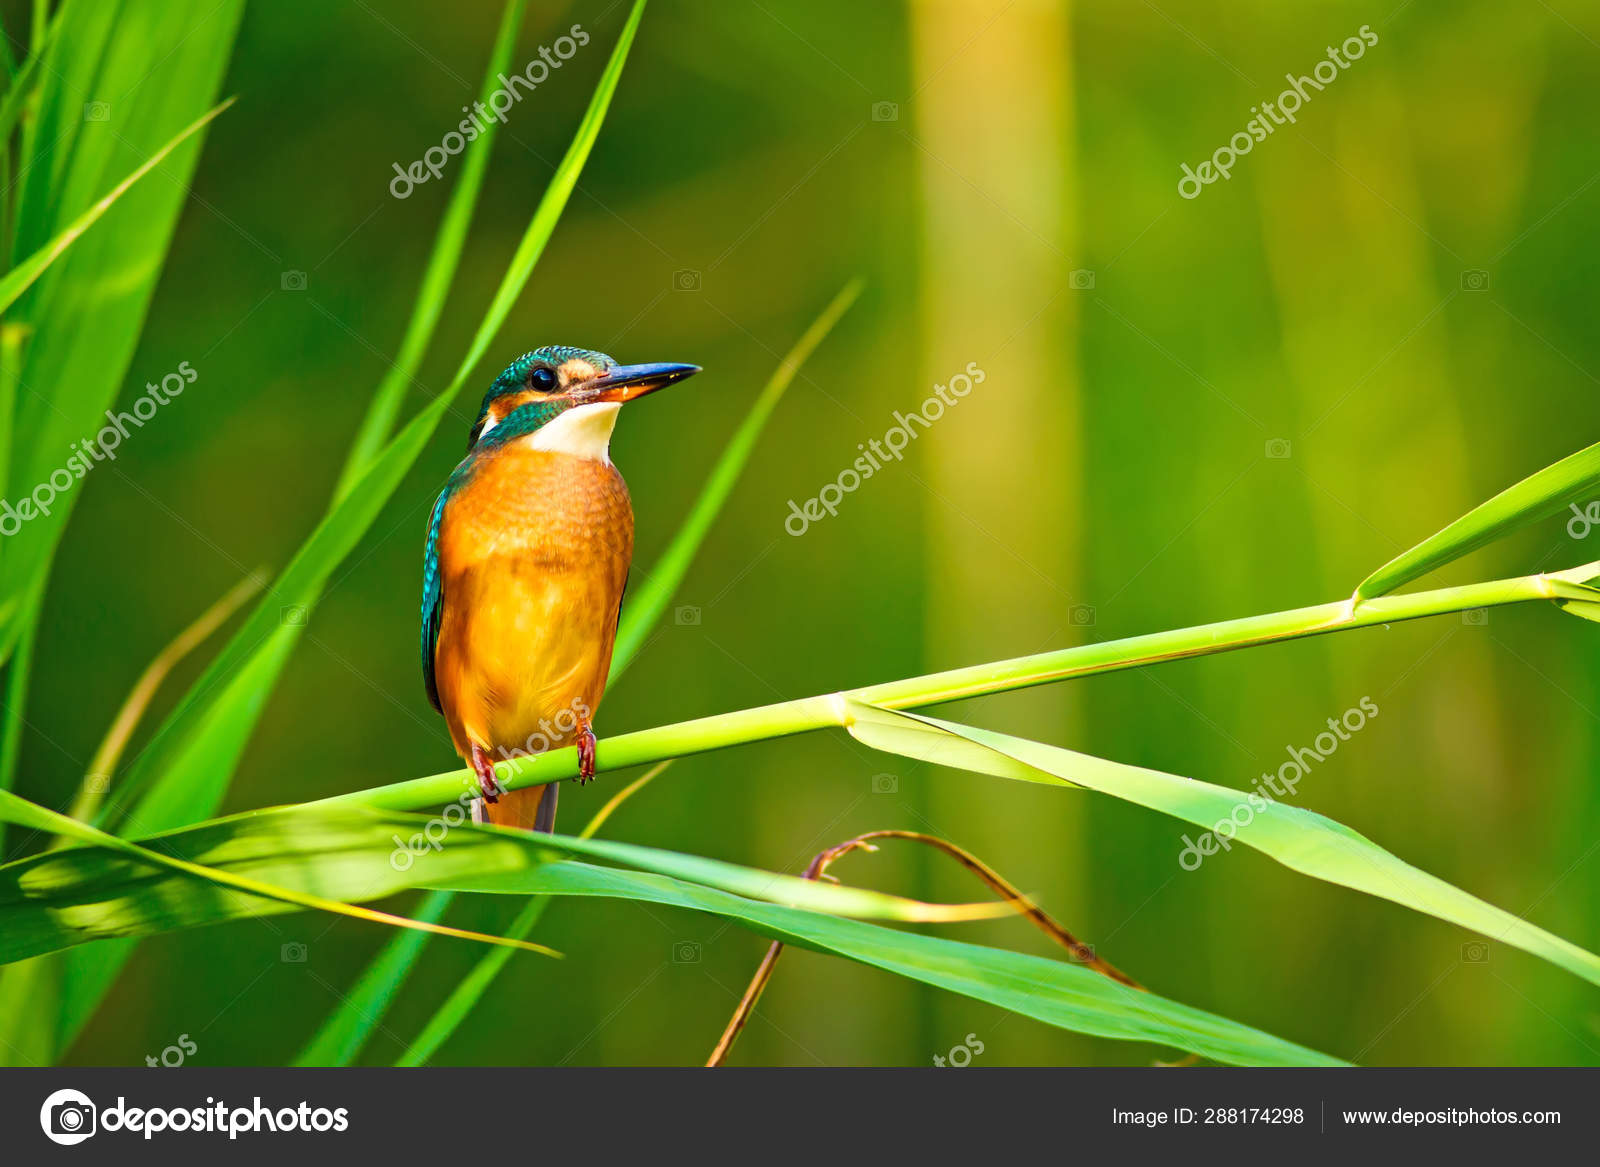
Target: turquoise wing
432,598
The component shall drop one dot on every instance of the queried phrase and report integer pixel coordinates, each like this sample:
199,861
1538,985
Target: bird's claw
489,789
585,755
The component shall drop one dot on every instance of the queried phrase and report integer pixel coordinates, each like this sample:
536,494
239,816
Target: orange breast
534,554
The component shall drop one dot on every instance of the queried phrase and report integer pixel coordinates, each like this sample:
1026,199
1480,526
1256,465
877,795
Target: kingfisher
527,557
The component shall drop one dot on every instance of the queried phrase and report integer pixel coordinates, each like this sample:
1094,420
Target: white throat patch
583,431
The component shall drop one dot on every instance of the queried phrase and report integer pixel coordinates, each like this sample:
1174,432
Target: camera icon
1082,954
686,280
1475,617
1476,280
97,111
293,952
1083,615
885,111
293,615
686,617
72,1118
293,281
68,1117
1475,952
885,784
1081,280
1278,448
686,952
98,783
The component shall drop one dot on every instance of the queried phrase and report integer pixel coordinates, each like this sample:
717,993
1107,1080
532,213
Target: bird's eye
543,380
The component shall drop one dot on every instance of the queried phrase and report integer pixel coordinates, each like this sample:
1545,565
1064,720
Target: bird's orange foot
487,786
585,755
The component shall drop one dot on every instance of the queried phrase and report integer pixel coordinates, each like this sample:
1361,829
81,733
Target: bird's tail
532,809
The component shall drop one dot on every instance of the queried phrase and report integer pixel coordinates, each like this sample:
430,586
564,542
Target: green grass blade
745,881
20,92
652,595
28,1027
271,862
111,889
18,672
57,154
378,424
1068,996
41,20
24,813
193,755
13,337
165,58
349,1027
1300,839
1583,602
1536,497
750,882
470,989
21,277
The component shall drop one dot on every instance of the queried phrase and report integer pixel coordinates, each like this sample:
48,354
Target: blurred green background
1120,470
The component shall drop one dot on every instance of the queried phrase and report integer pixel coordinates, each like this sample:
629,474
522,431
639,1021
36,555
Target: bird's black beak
626,382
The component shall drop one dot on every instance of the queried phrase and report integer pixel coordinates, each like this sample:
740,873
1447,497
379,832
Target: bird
525,564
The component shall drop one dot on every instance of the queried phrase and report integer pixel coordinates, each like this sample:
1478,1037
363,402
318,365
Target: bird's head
565,399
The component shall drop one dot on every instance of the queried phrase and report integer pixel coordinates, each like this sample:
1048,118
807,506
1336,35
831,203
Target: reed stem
829,710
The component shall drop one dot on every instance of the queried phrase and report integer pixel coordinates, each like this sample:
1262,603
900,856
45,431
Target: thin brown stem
747,1005
1080,952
